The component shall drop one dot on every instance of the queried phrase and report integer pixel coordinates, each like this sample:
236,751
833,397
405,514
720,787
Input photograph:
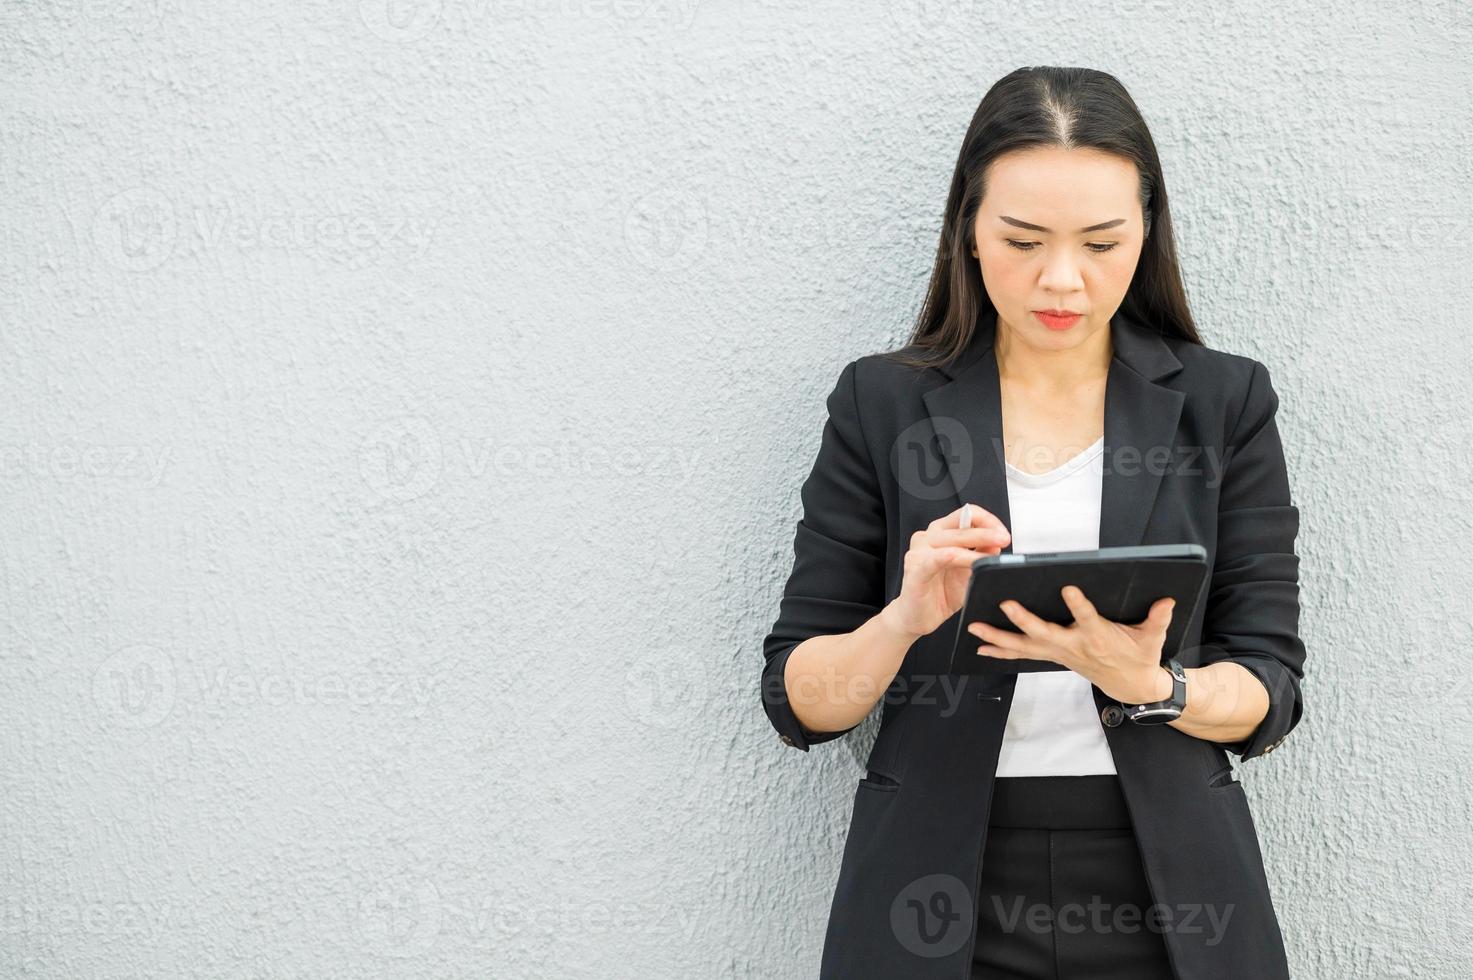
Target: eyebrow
1031,227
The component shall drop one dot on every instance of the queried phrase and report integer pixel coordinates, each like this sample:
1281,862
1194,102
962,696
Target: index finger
1084,611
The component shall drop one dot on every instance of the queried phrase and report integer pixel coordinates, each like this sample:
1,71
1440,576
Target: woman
1055,395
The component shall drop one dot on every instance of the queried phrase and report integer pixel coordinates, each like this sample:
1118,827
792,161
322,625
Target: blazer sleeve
1252,615
837,579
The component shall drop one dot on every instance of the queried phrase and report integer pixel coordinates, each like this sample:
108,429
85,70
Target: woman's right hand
938,567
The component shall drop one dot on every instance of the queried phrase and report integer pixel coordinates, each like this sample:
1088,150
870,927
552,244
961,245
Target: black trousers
1064,893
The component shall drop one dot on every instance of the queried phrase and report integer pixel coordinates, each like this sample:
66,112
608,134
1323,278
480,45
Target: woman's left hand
1121,660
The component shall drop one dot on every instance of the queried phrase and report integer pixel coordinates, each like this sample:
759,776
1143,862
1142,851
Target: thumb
1165,610
1160,614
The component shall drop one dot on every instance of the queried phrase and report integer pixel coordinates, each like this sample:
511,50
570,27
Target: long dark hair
1047,107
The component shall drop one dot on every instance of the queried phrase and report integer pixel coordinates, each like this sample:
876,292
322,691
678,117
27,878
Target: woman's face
1058,263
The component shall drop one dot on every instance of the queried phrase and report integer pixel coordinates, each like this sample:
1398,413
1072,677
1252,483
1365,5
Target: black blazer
1192,454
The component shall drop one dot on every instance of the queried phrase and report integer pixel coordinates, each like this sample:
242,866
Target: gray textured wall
404,412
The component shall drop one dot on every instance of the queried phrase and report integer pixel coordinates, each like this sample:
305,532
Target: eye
1097,247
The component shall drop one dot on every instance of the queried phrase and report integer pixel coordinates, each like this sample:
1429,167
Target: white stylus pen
966,516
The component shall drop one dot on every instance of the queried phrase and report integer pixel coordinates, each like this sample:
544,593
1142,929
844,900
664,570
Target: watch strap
1157,712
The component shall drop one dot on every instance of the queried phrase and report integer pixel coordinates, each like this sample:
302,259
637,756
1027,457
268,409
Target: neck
1019,362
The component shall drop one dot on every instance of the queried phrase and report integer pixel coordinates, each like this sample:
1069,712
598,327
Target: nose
1060,273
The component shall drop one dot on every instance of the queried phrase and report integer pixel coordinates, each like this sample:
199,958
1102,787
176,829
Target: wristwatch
1160,712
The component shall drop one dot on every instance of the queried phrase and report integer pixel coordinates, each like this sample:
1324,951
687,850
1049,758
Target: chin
1060,338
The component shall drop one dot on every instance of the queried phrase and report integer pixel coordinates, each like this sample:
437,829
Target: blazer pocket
1224,777
880,781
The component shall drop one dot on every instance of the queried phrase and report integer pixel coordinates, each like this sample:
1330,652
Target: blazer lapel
1140,432
1141,418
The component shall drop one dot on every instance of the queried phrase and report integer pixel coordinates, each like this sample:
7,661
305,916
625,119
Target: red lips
1057,319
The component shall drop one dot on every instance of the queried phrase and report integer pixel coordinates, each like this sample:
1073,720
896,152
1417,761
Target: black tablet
1120,582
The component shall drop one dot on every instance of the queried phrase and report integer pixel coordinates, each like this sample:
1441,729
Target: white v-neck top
1053,726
